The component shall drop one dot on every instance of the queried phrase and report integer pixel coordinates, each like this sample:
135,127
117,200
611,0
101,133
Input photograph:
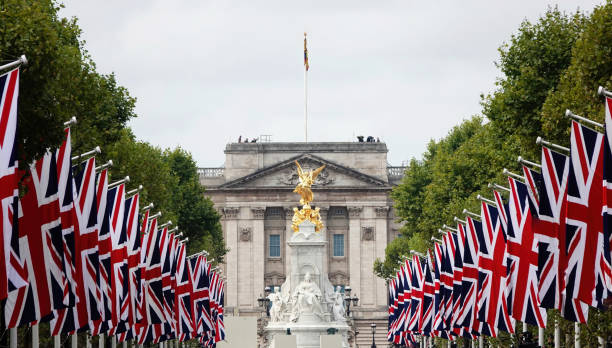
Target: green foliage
197,217
59,82
548,66
590,68
531,63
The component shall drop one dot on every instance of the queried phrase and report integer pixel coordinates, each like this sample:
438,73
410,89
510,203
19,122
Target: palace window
275,245
338,245
274,212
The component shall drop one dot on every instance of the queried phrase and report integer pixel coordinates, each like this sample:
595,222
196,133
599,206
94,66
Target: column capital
230,212
288,212
258,212
382,212
354,212
324,209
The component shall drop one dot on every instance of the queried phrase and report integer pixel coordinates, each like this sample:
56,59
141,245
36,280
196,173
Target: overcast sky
205,72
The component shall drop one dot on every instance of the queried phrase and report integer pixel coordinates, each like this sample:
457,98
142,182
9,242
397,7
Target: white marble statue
337,300
277,305
306,299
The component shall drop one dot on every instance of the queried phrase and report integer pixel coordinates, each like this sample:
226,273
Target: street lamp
348,299
373,326
264,301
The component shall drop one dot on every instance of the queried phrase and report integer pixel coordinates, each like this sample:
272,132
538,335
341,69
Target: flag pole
305,90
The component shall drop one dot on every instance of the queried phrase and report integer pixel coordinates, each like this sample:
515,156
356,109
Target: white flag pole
35,337
305,91
21,61
13,333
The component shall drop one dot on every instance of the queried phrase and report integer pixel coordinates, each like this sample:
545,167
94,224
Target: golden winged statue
306,179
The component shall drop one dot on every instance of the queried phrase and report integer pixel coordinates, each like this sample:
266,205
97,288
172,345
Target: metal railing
396,171
211,172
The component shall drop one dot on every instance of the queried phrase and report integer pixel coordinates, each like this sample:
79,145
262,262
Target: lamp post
348,299
373,326
263,301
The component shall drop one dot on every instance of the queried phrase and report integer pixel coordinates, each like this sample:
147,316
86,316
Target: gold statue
306,179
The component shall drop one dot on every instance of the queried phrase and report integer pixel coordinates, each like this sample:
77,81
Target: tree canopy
61,81
550,65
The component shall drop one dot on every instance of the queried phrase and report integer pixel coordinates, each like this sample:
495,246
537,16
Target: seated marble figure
306,298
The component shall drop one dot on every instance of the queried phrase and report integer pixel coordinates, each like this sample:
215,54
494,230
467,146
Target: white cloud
205,72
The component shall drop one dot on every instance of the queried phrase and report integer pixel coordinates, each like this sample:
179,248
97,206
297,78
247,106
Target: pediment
284,175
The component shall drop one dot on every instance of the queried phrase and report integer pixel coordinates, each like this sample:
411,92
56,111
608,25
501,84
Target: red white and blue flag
587,266
10,276
523,258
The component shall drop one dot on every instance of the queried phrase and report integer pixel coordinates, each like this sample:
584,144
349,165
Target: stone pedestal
307,252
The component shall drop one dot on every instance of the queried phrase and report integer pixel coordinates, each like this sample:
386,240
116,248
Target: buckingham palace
253,192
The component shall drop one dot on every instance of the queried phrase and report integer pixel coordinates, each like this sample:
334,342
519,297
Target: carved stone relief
245,233
367,233
338,278
290,177
258,213
381,211
355,212
230,212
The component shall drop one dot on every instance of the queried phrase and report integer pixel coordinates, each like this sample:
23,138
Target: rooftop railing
396,172
211,172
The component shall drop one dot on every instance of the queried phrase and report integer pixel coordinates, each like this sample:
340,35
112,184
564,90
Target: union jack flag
587,267
427,314
118,257
182,303
88,306
438,323
145,245
457,305
406,302
40,248
104,256
447,279
416,295
523,258
154,291
469,281
395,306
201,295
492,298
550,234
167,251
607,209
130,269
221,304
10,278
68,213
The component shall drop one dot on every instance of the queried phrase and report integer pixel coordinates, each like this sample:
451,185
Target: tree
197,217
531,64
590,68
548,66
60,81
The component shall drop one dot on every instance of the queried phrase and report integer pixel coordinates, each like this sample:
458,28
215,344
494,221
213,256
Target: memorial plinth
306,301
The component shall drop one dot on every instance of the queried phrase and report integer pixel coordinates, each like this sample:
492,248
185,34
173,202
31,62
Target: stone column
324,210
354,241
230,227
288,233
381,242
258,255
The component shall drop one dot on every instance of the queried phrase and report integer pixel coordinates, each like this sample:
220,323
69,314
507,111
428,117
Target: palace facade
253,192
